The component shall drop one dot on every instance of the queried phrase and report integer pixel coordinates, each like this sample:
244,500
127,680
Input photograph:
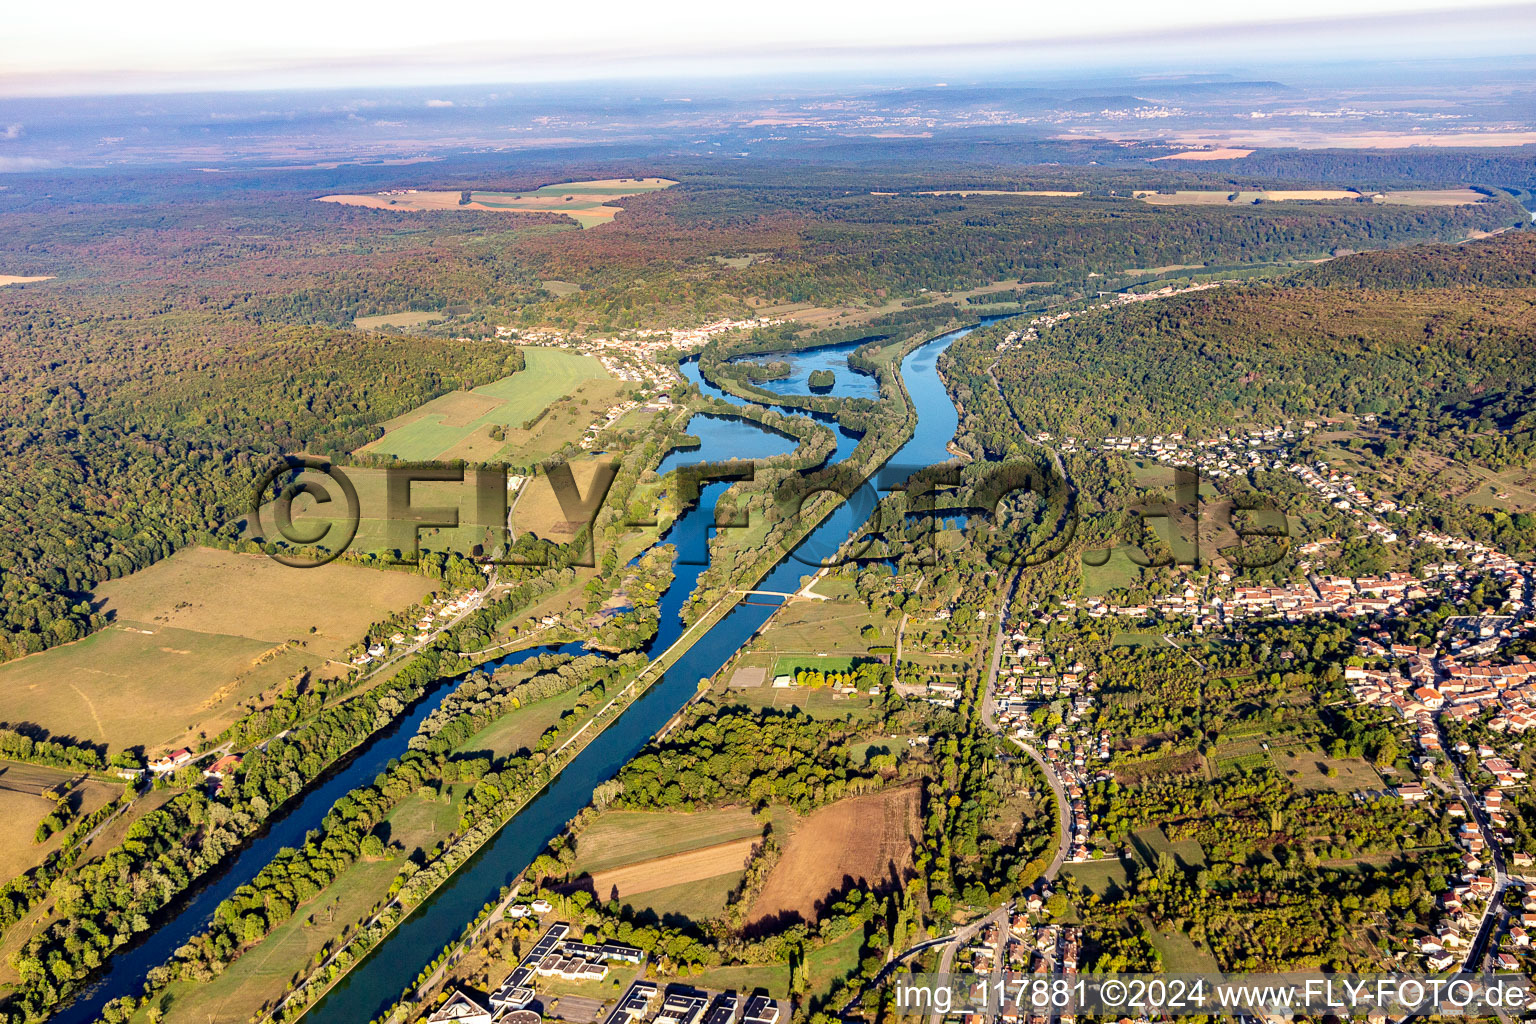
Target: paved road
963,936
1063,812
890,967
989,718
1480,945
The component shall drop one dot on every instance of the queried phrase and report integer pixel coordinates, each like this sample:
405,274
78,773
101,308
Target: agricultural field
668,863
459,425
999,192
195,636
865,840
1207,197
621,838
28,793
9,279
589,203
400,320
1224,153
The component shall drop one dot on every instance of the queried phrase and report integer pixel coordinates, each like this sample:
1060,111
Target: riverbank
475,887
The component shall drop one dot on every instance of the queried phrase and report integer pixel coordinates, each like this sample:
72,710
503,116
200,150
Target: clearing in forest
589,203
451,425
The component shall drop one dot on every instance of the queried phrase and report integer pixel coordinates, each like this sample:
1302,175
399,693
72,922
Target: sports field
192,638
589,203
441,428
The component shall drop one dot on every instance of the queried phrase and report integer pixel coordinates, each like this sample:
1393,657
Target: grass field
28,792
825,634
1105,876
863,840
1179,952
193,637
1118,573
589,203
538,510
818,702
1307,768
620,838
1101,877
138,685
261,975
1149,842
211,591
450,423
406,319
824,966
521,729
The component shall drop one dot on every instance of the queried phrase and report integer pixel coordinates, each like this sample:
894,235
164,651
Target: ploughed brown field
867,839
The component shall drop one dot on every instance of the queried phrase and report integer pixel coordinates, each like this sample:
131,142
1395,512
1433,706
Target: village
643,356
1031,331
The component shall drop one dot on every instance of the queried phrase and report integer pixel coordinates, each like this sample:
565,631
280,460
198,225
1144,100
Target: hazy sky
97,45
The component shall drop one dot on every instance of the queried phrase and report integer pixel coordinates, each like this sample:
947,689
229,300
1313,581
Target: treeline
479,701
16,746
143,445
107,901
727,754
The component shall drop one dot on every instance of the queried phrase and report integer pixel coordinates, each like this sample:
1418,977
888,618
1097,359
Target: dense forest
195,332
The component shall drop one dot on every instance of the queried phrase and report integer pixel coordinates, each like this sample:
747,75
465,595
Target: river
378,980
848,383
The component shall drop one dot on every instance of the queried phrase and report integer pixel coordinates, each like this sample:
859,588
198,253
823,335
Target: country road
960,938
1063,809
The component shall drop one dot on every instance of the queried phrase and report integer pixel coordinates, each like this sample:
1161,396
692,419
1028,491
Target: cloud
12,131
439,103
15,164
